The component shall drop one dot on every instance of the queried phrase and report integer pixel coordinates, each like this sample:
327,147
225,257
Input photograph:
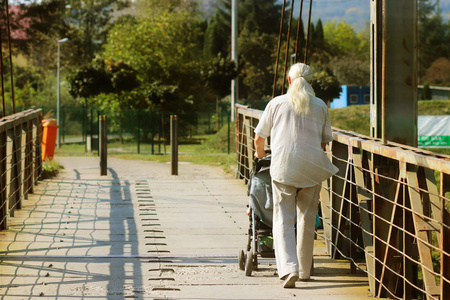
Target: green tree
325,84
318,39
215,43
433,35
351,71
218,74
253,15
169,53
439,72
350,52
341,38
256,64
88,82
89,19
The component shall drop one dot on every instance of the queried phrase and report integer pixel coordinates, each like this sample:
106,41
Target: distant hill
355,12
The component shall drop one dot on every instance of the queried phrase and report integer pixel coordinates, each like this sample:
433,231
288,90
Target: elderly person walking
299,126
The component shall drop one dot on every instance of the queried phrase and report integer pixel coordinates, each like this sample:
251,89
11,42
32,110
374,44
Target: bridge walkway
140,233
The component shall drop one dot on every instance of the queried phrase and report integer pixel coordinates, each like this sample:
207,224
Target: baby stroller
260,241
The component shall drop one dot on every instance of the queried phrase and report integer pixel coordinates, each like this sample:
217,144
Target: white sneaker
289,282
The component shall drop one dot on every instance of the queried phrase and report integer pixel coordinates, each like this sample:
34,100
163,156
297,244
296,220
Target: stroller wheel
241,260
249,264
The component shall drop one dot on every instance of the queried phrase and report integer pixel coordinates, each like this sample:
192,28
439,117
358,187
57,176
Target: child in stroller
260,212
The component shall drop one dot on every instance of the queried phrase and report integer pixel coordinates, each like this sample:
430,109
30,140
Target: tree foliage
325,84
218,73
433,35
351,71
342,39
439,72
165,49
89,82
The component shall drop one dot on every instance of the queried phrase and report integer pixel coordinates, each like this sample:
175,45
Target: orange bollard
49,130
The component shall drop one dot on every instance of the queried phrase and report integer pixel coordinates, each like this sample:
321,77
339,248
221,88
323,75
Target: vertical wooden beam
445,236
29,160
365,204
421,227
38,149
239,135
390,258
393,46
433,193
340,157
353,210
17,166
3,193
325,206
382,167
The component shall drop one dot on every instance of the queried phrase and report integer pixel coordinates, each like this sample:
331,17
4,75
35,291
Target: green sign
434,141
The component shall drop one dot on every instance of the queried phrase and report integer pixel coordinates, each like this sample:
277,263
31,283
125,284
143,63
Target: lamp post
58,93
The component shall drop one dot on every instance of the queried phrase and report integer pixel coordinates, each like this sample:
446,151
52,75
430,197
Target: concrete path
140,233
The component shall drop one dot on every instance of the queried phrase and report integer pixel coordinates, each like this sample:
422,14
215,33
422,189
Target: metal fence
387,210
20,160
134,131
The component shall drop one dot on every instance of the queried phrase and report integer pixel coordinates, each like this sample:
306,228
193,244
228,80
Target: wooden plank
388,258
445,236
249,144
38,149
17,166
28,184
435,202
12,121
419,225
434,161
340,157
240,147
343,210
365,202
3,193
10,154
326,213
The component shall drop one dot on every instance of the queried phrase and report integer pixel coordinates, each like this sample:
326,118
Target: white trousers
291,255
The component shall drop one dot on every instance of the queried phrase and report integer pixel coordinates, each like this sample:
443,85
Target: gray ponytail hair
300,91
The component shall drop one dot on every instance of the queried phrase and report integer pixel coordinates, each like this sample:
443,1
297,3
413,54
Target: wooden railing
20,160
387,210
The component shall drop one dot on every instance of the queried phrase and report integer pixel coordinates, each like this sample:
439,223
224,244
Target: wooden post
217,114
103,143
393,52
38,149
445,237
3,194
174,144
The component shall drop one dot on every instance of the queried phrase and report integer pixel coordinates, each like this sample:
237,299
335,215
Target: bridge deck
141,233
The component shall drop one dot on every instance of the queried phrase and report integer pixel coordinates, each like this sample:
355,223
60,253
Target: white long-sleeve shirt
297,157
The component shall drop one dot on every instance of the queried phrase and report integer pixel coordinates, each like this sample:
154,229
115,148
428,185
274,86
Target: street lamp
58,93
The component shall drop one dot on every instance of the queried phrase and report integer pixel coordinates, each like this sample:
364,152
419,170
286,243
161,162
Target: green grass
356,118
201,149
50,169
211,149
